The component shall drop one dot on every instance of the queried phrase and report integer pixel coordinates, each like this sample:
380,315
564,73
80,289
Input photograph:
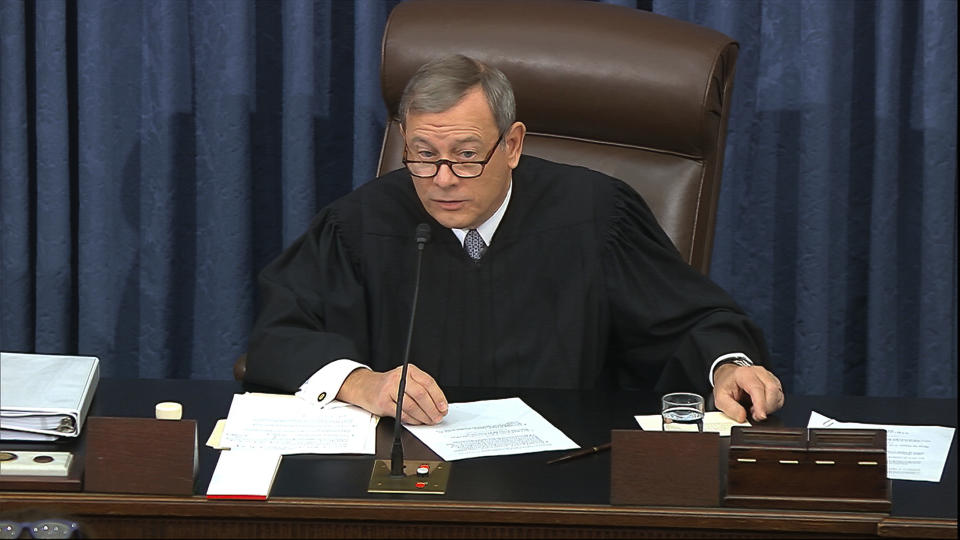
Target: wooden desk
504,497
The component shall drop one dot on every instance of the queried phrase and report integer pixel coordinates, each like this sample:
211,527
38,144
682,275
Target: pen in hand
580,453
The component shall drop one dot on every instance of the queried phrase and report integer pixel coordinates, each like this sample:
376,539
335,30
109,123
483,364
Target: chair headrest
579,69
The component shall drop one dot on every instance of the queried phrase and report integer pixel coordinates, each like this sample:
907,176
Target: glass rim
687,396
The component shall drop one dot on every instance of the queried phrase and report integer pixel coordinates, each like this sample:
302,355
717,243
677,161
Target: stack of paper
286,424
44,397
244,474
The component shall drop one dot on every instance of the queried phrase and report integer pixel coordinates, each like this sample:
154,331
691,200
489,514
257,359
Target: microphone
388,474
396,455
423,235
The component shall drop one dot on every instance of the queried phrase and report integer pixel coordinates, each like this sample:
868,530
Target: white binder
44,397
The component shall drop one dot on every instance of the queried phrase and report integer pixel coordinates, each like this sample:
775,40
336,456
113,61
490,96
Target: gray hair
442,83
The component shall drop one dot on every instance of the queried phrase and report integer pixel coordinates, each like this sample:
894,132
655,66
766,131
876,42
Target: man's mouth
450,205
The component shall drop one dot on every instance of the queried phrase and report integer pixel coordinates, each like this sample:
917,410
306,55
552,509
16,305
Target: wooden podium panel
660,468
814,469
141,455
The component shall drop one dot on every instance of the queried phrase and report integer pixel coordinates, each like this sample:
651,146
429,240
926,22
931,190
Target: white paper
244,473
286,424
713,422
14,435
913,452
497,427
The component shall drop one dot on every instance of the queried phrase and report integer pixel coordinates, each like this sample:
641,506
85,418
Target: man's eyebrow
457,143
420,140
469,139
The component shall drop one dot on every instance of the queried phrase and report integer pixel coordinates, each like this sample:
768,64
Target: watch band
742,361
735,358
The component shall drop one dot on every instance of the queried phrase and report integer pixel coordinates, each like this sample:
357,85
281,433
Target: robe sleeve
669,322
312,308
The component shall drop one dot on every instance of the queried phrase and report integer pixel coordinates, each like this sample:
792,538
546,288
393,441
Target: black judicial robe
580,288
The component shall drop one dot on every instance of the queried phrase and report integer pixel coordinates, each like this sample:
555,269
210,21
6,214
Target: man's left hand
733,383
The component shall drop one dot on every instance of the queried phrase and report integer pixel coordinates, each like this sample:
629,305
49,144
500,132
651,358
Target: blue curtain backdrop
154,155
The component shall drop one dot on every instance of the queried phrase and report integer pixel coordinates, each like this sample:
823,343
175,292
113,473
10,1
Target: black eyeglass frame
483,164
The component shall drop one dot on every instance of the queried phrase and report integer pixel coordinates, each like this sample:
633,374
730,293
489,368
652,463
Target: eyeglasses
47,528
462,169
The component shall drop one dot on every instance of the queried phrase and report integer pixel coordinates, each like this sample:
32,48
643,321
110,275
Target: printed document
713,422
286,424
496,427
913,452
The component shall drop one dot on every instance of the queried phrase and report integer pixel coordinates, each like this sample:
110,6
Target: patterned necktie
474,245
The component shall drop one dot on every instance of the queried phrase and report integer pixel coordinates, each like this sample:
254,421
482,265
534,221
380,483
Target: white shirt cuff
324,385
729,356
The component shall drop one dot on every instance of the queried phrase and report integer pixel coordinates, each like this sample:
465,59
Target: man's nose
445,177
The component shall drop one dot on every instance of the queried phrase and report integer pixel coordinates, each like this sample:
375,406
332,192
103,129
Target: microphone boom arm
388,475
396,454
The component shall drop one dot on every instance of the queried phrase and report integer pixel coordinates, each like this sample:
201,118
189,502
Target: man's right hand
375,391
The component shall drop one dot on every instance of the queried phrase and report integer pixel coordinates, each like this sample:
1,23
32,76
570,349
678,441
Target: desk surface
520,492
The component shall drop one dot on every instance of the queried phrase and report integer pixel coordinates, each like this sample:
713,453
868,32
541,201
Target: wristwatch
742,361
737,359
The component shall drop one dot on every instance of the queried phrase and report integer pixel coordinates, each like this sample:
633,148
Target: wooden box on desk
655,468
141,455
813,469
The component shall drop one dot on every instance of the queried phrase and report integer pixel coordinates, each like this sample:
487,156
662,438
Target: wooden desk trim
442,512
898,527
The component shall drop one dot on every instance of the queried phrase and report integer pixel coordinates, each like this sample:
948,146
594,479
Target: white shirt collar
488,227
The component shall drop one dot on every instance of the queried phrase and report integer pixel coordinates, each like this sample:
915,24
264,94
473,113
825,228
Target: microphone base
435,483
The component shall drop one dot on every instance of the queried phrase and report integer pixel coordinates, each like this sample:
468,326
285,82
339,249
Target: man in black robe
537,275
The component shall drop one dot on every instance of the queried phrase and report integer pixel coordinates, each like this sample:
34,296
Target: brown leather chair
638,96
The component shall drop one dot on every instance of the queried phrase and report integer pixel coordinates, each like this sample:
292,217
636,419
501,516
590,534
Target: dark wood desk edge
439,511
898,527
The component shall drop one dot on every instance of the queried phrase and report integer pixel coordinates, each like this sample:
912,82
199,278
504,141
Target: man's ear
513,141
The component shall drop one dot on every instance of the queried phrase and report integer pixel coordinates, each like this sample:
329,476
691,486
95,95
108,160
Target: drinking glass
682,411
